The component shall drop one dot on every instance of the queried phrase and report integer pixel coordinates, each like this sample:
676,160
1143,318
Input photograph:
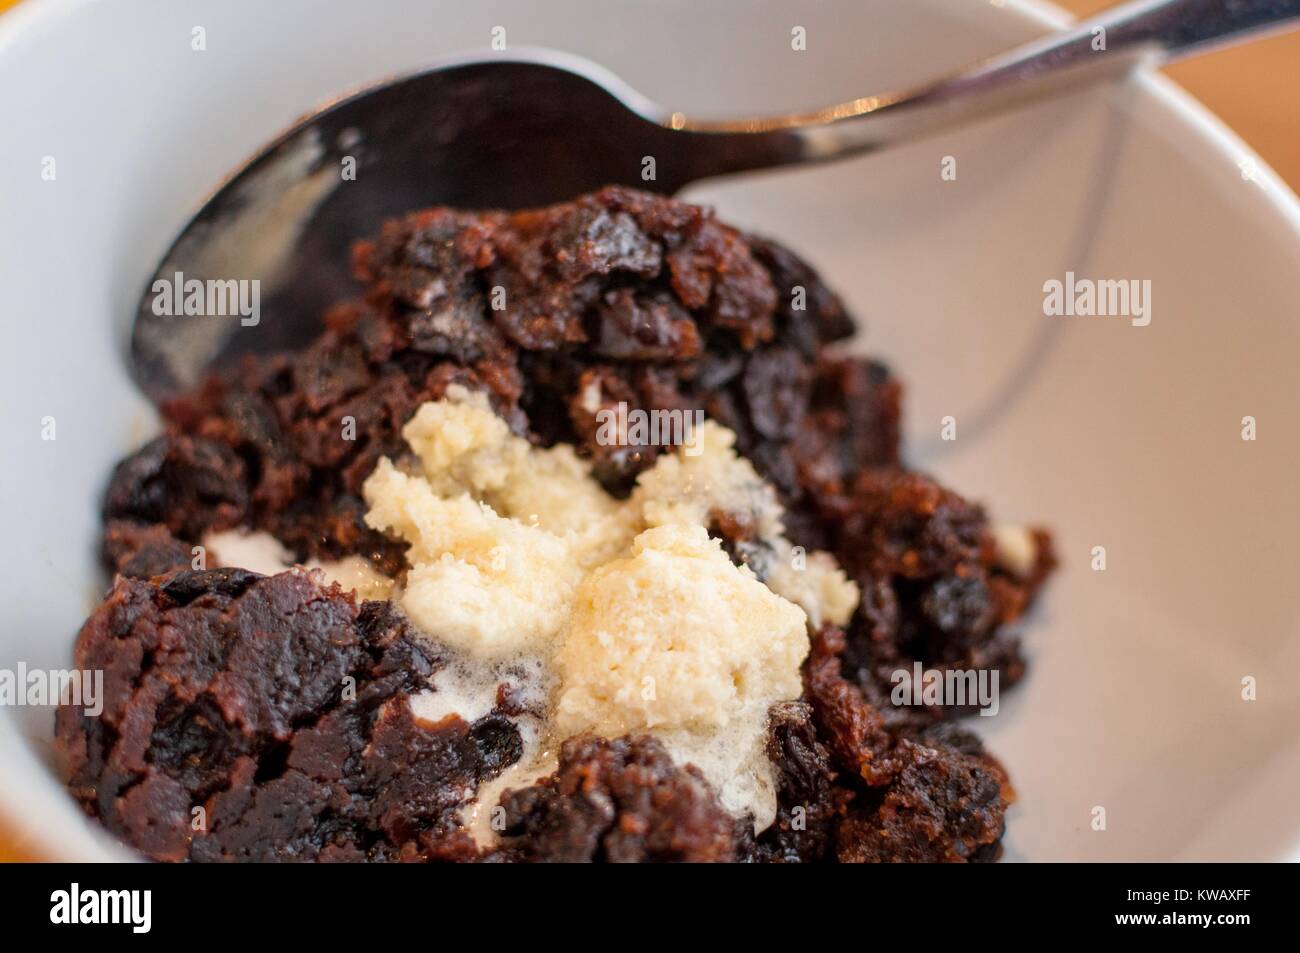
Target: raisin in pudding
404,597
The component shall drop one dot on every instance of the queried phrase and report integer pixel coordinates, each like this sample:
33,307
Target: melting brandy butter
605,616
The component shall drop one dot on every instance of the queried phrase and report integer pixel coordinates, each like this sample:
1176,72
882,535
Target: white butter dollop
640,620
677,641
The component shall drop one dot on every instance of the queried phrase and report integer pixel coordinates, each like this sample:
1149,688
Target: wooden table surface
1254,88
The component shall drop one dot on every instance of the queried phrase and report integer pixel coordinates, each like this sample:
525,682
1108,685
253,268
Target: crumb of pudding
617,801
935,584
932,795
478,495
268,718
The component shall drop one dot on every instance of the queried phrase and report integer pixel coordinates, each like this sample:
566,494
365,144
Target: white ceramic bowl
1117,436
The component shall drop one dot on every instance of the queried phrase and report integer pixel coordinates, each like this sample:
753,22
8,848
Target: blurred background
1254,89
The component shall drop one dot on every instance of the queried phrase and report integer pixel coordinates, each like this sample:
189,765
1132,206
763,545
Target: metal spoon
543,127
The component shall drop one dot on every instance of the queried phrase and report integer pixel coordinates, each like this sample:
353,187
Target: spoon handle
1111,43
